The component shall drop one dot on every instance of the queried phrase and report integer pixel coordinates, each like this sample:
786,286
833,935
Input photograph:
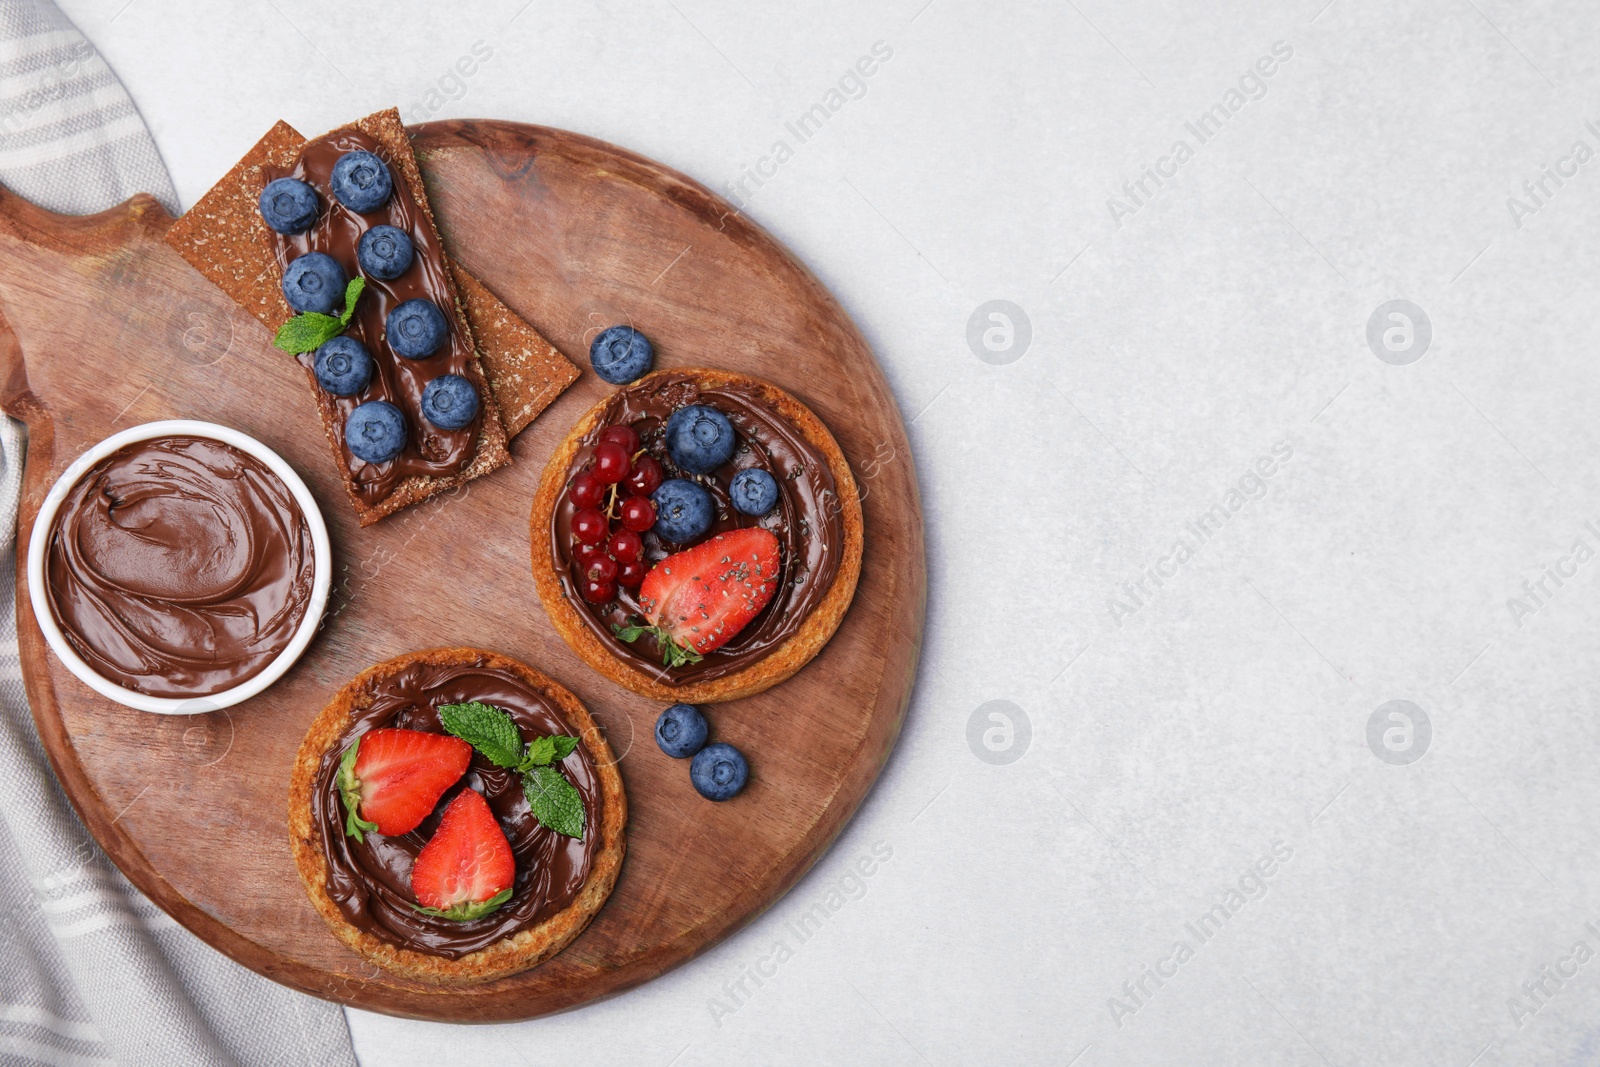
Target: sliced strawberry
466,869
701,597
401,774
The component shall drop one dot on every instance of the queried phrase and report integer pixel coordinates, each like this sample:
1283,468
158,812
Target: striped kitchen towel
92,973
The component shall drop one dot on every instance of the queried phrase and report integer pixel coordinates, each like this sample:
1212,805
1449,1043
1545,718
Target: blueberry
753,491
375,431
683,510
699,439
361,181
416,328
315,282
450,402
384,252
681,731
288,205
621,354
343,366
719,771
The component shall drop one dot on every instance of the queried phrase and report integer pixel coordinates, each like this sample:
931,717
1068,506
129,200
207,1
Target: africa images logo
1252,885
800,928
999,332
1203,128
1250,487
852,84
1537,593
1539,191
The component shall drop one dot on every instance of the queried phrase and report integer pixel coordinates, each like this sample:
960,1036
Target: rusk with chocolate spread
362,889
818,524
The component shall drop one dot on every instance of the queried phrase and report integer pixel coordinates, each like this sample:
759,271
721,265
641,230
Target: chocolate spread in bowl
179,567
806,521
370,881
429,451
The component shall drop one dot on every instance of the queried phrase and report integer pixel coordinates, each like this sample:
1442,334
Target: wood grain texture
105,327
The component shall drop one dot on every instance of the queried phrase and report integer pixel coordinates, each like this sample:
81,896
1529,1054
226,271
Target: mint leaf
310,330
465,913
543,751
554,800
485,728
350,791
307,332
351,293
672,653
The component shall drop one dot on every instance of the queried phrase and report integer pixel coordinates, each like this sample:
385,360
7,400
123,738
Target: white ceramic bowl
322,573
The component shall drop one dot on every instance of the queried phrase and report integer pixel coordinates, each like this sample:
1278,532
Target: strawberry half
466,869
701,597
392,779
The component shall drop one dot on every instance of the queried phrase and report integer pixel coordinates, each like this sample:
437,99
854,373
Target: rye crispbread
525,371
223,238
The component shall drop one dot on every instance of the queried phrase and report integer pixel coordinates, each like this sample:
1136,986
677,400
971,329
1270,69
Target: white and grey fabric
70,138
91,972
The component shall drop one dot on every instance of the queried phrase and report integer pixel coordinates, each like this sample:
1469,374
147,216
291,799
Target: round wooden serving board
104,327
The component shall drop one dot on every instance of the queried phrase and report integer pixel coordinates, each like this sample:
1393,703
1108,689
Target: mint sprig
556,803
465,913
350,790
672,653
310,330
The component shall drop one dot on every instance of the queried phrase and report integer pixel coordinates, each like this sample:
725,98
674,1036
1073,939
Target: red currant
626,546
601,569
638,514
586,491
646,476
598,592
631,574
610,463
585,554
623,436
590,527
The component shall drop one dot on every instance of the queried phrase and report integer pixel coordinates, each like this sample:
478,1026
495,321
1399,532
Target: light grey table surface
1185,517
